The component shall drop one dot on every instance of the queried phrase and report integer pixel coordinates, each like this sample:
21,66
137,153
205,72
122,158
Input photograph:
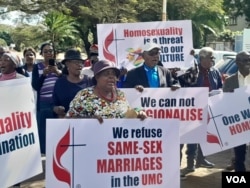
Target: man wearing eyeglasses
239,79
150,74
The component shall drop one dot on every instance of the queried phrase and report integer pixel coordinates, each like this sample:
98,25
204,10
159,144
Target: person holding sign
10,62
104,99
207,76
150,74
11,67
239,79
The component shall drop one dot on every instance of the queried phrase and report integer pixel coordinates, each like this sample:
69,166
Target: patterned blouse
86,104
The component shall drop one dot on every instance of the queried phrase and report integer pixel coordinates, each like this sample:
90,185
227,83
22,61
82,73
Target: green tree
59,28
237,8
89,13
25,35
31,6
2,42
6,37
149,10
5,33
207,17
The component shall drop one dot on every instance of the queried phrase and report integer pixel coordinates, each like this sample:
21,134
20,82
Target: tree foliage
228,35
237,8
90,13
30,6
207,16
3,42
6,37
26,35
60,28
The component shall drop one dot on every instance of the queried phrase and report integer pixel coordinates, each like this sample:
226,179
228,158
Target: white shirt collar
243,81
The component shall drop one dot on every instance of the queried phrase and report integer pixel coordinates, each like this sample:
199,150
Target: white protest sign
20,156
122,42
229,121
116,153
189,105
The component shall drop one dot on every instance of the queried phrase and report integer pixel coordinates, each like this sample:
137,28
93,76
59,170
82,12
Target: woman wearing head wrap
11,67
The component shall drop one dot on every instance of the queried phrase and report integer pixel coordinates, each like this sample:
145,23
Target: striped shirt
48,85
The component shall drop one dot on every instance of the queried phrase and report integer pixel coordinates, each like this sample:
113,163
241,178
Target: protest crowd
92,89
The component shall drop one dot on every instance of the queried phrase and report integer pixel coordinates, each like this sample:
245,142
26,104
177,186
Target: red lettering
129,164
153,146
182,114
239,127
111,165
138,164
151,179
123,148
111,150
200,112
158,165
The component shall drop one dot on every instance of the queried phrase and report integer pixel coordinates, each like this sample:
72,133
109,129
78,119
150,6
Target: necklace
111,99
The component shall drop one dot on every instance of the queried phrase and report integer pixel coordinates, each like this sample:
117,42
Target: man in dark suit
150,74
239,79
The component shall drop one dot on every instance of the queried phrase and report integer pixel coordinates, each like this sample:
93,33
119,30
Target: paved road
201,178
210,178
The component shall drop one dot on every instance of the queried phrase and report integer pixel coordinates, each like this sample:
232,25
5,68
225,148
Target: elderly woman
103,100
10,67
10,63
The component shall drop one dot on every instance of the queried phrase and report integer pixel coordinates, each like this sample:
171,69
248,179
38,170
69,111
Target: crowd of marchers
76,87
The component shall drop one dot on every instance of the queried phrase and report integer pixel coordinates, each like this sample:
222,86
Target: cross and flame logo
212,138
107,42
61,173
